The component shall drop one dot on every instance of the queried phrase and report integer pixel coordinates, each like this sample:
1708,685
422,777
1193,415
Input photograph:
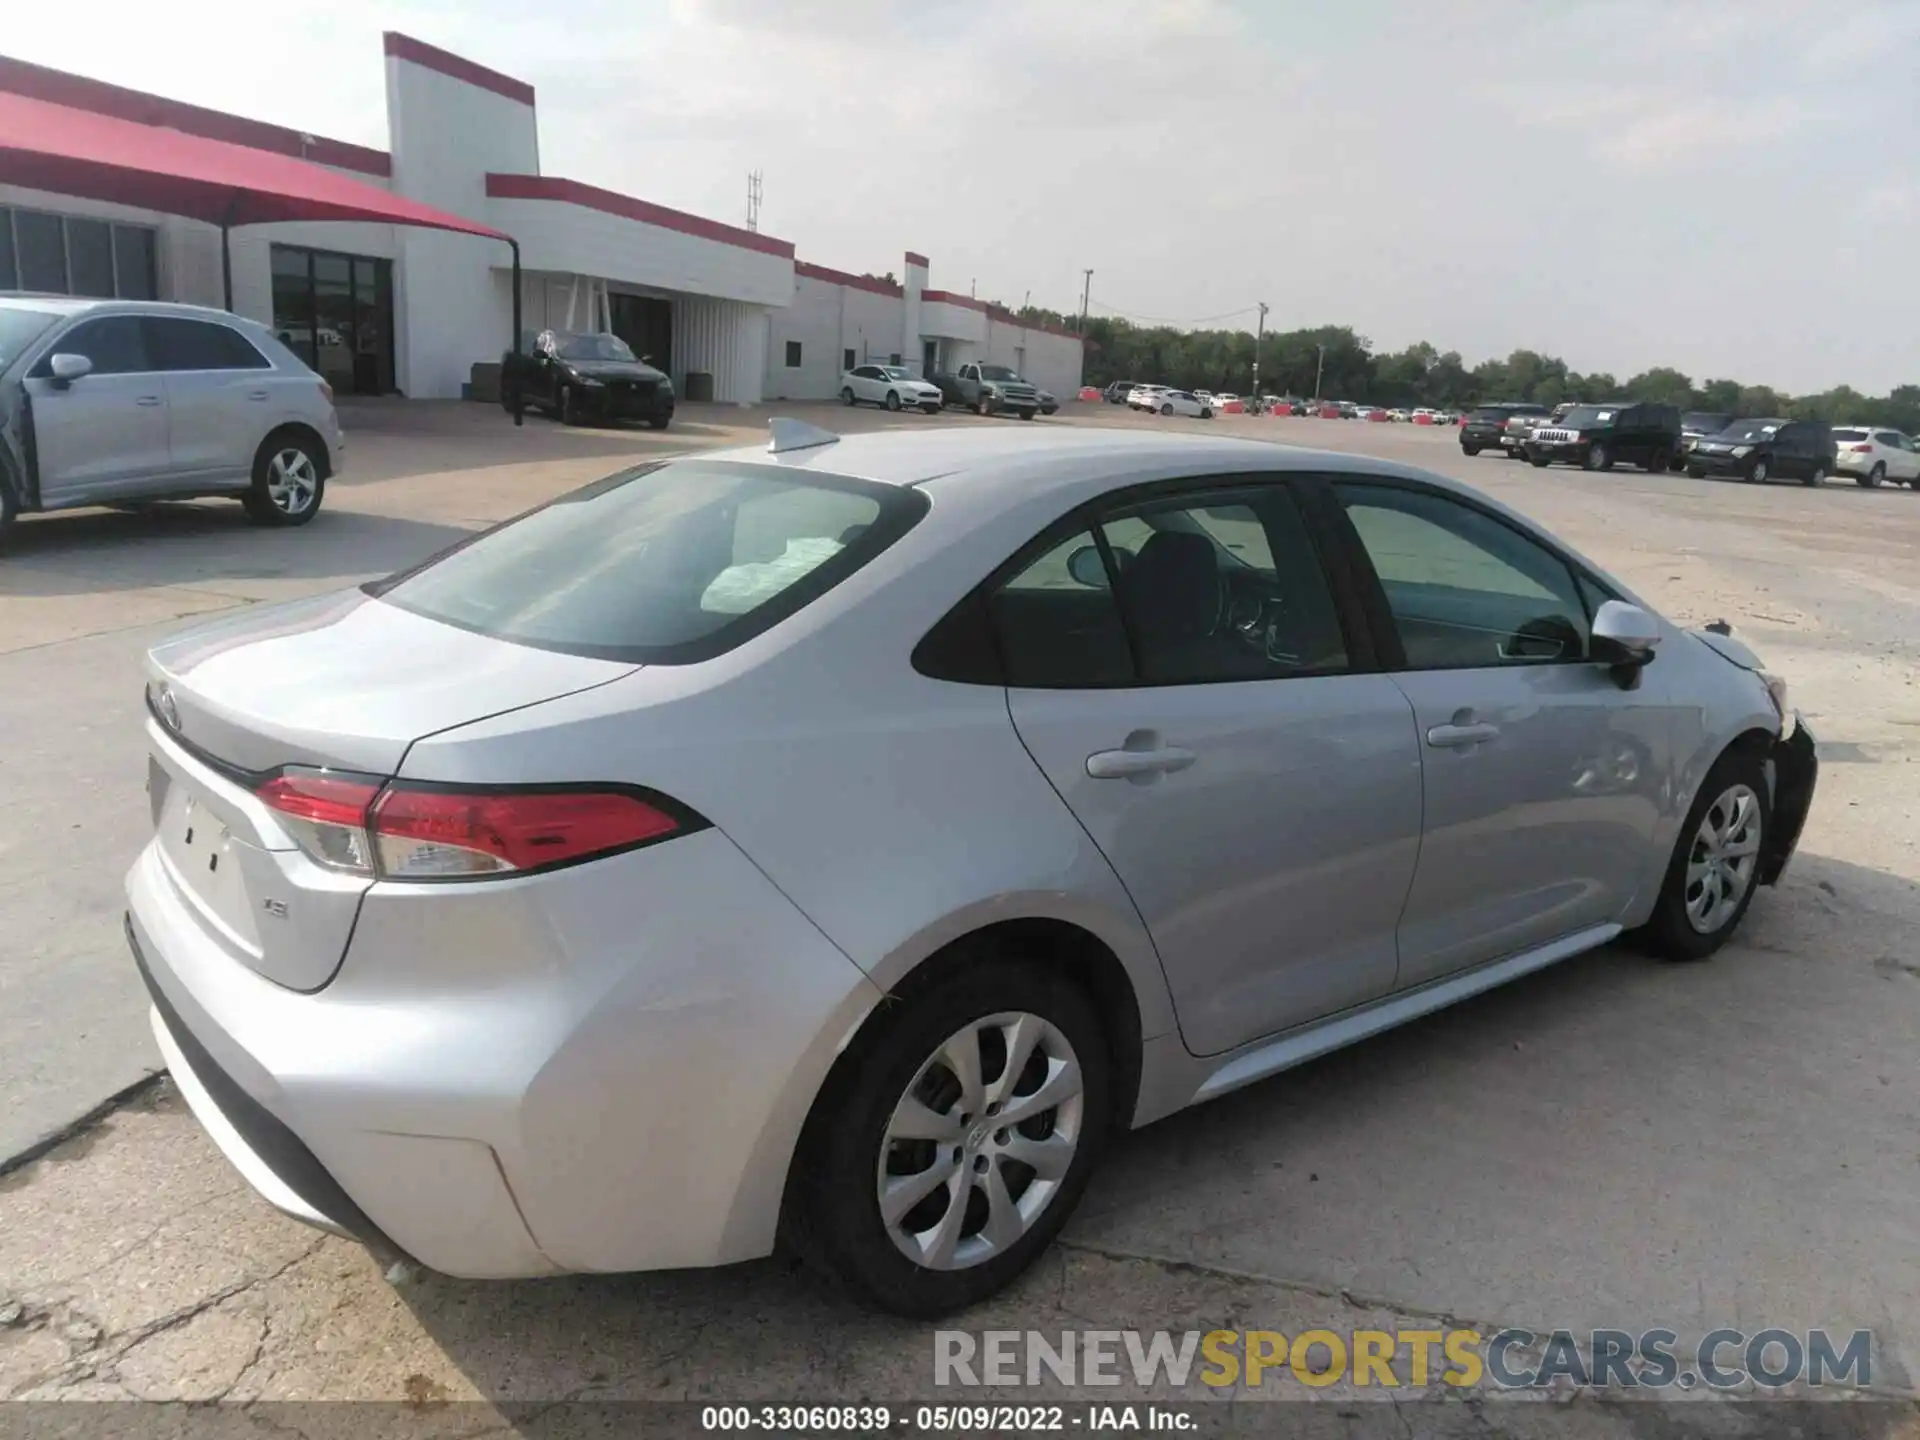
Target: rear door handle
1459,737
1127,764
147,400
256,394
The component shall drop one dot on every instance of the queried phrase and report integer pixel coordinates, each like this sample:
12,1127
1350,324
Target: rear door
1543,779
1178,669
219,398
104,435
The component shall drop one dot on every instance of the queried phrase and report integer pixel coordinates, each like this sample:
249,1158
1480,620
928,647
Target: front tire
1759,472
1539,462
983,406
1469,449
893,399
1715,866
9,510
908,1187
1206,414
1166,409
569,406
289,479
1598,458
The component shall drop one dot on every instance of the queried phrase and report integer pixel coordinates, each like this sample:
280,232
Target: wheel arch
1069,949
304,432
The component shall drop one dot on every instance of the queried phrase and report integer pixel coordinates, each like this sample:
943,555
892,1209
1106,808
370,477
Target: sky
1731,187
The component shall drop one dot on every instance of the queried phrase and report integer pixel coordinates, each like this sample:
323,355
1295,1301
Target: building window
848,360
793,354
336,313
893,359
68,255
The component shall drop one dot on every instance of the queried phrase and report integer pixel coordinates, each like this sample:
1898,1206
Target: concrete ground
1612,1142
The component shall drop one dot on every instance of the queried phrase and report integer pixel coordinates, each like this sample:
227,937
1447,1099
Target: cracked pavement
1608,1143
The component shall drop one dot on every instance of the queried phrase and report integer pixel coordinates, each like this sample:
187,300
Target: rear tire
289,479
1469,449
1818,477
1871,480
9,510
659,422
846,395
1166,409
984,406
857,1139
1658,462
1708,888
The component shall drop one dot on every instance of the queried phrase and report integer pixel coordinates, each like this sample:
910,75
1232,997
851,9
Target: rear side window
1885,437
1846,437
1058,623
664,565
179,344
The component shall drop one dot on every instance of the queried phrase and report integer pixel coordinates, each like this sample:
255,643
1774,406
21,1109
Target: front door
103,435
1205,719
1543,778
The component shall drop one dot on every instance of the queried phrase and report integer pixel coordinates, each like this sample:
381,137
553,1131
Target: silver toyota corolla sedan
837,843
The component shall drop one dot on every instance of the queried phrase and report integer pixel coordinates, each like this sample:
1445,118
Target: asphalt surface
1611,1142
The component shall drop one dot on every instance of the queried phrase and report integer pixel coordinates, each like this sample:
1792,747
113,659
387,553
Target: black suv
1760,450
1485,427
1595,436
1698,425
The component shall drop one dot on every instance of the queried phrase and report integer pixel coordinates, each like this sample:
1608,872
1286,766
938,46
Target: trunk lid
336,682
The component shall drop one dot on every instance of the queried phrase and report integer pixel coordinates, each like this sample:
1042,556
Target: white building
379,308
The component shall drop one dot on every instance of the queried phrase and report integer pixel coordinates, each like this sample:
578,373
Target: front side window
116,344
668,564
1466,591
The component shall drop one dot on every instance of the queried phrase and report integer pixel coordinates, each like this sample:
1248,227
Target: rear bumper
1796,770
604,1068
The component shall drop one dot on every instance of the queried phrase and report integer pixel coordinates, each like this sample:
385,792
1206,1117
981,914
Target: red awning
76,152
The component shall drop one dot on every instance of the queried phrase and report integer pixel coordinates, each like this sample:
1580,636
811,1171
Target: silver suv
106,402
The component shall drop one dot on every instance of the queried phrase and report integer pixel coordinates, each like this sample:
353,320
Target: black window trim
1379,611
949,636
51,339
151,324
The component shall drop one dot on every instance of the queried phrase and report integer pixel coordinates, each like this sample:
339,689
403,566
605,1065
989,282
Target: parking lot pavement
1609,1142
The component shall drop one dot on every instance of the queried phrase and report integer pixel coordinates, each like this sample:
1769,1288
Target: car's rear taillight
326,392
326,814
1865,449
406,831
424,833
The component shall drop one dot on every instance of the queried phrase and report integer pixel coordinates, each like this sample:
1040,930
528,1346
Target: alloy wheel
977,1147
1720,866
292,481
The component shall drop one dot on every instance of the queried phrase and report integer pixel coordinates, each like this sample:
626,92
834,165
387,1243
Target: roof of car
1044,456
79,304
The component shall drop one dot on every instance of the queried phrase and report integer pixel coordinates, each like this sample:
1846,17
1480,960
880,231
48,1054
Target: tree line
1348,368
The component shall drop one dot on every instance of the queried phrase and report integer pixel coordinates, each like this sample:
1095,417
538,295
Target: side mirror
1086,566
646,359
1624,635
68,368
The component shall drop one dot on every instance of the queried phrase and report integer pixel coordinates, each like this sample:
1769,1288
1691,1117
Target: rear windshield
667,564
1849,436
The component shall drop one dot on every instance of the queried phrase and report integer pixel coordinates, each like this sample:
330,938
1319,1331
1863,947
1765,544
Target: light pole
1086,289
1318,369
1259,333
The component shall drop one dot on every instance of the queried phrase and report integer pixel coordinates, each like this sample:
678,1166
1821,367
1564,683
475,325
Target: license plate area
209,861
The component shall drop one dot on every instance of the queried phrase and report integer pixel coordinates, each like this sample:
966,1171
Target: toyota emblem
169,708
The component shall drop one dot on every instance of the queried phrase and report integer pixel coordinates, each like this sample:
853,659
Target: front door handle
256,394
147,400
1459,737
1130,764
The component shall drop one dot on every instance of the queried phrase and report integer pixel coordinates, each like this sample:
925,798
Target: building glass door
336,313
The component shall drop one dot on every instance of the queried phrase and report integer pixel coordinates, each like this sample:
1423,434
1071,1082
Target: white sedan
893,386
1182,402
1145,397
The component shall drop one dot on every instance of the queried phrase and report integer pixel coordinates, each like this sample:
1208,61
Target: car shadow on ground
1487,1162
194,545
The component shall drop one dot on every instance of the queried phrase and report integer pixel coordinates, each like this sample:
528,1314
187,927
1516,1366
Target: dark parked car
1761,450
1485,427
1698,425
1116,393
581,376
1596,436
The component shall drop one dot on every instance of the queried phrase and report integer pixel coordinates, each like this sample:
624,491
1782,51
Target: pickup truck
990,389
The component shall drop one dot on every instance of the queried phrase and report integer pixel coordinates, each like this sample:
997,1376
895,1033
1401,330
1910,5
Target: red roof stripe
914,257
572,192
77,92
78,152
842,277
432,57
995,312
